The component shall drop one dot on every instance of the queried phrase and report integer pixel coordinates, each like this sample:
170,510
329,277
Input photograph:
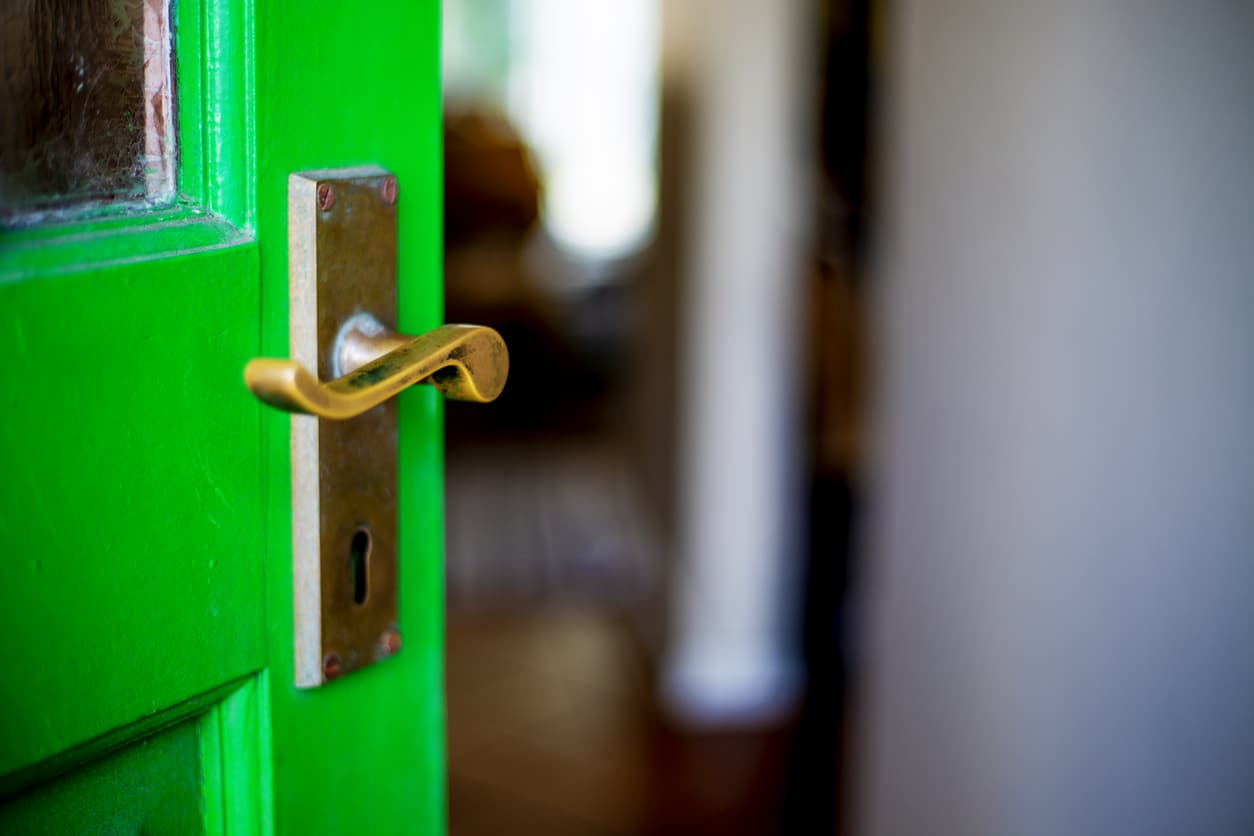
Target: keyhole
359,560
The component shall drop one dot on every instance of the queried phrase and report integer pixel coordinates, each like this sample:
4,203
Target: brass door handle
464,362
342,248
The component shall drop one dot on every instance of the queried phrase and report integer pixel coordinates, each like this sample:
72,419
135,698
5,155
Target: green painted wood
124,241
129,503
214,91
130,507
207,774
151,787
145,502
348,85
131,591
235,762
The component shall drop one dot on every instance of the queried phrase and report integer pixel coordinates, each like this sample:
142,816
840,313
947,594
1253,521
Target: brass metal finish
342,260
465,362
342,286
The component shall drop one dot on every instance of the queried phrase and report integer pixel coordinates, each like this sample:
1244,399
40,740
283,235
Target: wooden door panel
130,495
149,787
206,773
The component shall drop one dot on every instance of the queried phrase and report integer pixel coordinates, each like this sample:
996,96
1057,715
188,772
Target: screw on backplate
391,640
331,666
388,189
326,197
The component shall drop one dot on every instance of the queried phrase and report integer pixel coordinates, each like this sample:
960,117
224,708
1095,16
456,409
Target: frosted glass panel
86,109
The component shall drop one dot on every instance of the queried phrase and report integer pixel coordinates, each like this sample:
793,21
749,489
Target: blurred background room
659,204
877,454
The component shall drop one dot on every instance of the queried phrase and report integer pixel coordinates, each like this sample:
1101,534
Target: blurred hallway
636,641
552,630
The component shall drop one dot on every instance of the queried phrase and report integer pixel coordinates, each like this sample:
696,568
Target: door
145,499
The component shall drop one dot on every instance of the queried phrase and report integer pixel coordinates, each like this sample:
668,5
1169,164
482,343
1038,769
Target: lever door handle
464,362
347,485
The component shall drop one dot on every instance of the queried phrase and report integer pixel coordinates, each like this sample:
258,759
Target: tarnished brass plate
342,251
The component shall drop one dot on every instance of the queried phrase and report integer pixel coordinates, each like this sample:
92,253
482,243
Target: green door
145,500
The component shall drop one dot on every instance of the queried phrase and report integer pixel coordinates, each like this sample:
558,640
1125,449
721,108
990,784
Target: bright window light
583,88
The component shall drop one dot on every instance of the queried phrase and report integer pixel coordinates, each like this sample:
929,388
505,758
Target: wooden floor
553,725
552,730
547,727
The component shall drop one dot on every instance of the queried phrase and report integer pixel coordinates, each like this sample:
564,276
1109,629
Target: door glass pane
86,108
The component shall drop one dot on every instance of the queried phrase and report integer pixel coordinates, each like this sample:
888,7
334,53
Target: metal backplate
342,251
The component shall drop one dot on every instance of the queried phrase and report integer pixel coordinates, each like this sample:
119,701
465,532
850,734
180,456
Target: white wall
1062,556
